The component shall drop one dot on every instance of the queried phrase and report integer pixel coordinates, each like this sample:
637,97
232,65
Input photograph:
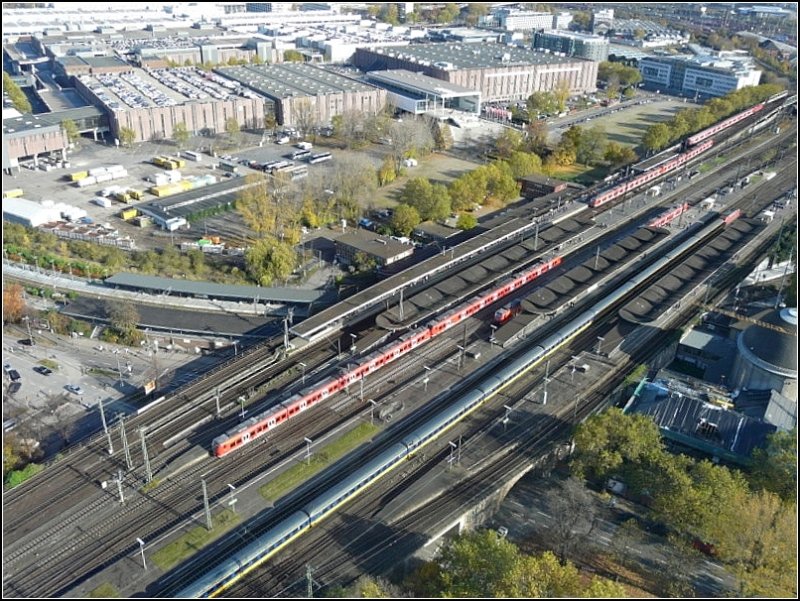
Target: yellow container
76,177
129,214
15,193
137,194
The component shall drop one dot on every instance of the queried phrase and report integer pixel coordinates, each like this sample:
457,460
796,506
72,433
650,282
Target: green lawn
711,164
105,591
194,540
627,127
297,474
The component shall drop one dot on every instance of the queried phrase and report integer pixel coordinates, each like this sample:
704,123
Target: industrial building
152,103
767,357
418,94
704,76
536,186
518,20
381,249
581,45
305,95
499,73
26,136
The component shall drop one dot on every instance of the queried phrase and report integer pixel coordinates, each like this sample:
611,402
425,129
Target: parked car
45,371
74,389
13,375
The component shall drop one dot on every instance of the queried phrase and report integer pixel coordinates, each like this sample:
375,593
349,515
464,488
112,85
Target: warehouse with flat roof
499,73
305,95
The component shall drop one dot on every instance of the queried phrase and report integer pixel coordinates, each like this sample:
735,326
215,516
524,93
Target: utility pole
233,500
216,398
147,471
401,304
124,437
506,418
310,582
286,334
105,427
452,456
303,367
308,450
119,487
361,395
241,402
536,238
783,279
141,548
546,380
596,258
27,321
373,404
209,523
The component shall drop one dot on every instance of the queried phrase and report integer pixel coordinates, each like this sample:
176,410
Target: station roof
290,79
155,284
374,244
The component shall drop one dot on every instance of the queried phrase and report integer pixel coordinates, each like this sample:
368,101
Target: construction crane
741,317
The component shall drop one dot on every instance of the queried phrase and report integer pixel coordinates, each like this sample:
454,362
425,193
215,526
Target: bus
193,156
318,158
15,193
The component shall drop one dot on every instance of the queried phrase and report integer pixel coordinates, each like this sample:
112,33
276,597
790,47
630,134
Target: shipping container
100,201
15,193
86,181
79,176
135,194
128,214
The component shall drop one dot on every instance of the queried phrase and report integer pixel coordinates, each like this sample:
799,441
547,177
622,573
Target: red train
274,416
649,176
707,133
508,311
669,216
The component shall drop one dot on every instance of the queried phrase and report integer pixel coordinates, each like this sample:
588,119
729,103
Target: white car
74,389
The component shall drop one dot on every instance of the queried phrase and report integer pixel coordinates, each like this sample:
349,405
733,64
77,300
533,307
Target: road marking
543,513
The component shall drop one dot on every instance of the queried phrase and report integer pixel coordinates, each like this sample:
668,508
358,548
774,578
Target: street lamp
308,450
232,501
303,366
141,547
494,329
119,367
373,404
600,344
241,401
353,345
426,379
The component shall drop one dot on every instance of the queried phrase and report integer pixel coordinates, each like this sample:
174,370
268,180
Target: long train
696,144
649,176
270,419
266,545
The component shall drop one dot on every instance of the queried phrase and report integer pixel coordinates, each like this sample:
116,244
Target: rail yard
609,265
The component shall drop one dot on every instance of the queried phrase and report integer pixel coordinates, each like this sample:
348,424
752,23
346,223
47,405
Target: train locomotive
262,423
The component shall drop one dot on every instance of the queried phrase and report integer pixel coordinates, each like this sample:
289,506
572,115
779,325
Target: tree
387,172
561,94
475,564
269,260
617,154
524,163
501,186
258,205
612,87
363,262
389,14
537,137
606,441
16,95
270,122
540,577
468,190
466,221
127,136
582,20
124,318
442,136
180,134
603,588
541,103
591,145
14,306
475,10
405,219
256,59
626,537
71,129
353,182
448,13
292,56
305,116
573,510
656,137
232,128
774,468
508,142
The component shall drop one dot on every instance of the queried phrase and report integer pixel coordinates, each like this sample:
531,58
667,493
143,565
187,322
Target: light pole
27,321
600,345
119,368
453,447
506,418
308,450
426,379
105,426
572,375
373,404
494,329
235,348
241,401
141,548
303,366
232,501
353,345
460,356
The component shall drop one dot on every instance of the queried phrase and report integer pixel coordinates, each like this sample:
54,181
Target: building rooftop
575,35
472,56
291,79
686,416
769,406
419,82
104,61
374,244
219,291
768,348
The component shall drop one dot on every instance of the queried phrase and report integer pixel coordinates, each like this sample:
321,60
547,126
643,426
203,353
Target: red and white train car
714,129
649,176
274,416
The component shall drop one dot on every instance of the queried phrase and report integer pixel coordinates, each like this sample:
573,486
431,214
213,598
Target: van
583,368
